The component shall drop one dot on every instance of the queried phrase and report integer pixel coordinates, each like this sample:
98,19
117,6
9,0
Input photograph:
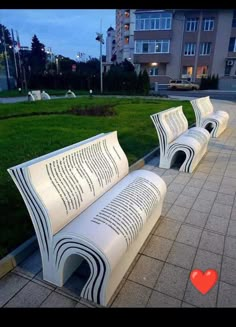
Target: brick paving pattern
197,230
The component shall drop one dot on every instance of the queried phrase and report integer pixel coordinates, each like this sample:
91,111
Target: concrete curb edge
10,261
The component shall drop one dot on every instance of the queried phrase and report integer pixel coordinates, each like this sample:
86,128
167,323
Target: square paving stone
171,197
232,228
211,186
226,296
230,247
31,296
158,248
202,205
197,218
177,213
205,260
228,272
176,187
207,195
168,228
184,201
225,199
191,191
172,281
212,242
165,208
217,224
189,235
132,295
194,182
159,300
56,300
221,210
146,271
10,284
181,255
193,296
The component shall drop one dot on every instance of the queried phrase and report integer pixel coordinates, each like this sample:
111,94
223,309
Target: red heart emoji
203,281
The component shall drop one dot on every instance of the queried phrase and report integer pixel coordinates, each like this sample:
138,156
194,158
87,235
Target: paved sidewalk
197,230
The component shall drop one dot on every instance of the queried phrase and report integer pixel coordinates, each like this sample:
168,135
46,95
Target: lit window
127,40
152,46
153,71
187,71
127,14
202,71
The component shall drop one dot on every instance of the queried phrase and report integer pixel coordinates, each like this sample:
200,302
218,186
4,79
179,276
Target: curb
24,250
18,255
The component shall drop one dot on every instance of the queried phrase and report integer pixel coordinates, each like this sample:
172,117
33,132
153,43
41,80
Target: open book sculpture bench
84,204
70,94
177,142
37,95
214,122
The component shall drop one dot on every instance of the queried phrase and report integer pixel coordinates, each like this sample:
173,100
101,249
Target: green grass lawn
25,138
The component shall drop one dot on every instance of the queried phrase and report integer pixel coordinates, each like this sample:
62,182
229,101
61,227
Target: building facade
174,44
125,23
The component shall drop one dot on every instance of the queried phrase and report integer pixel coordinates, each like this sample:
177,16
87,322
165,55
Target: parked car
179,84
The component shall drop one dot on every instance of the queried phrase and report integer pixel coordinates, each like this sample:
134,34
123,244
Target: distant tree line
36,70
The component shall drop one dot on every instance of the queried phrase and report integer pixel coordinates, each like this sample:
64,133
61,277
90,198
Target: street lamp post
100,39
101,81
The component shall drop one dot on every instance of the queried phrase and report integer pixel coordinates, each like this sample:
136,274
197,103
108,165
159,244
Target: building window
153,21
205,48
153,71
127,13
152,46
187,72
189,49
202,71
208,24
227,70
191,24
232,44
234,19
126,40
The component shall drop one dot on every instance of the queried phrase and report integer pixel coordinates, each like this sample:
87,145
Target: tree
38,56
146,83
6,53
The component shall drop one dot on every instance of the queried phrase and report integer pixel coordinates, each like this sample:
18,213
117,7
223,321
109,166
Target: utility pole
6,59
100,39
14,54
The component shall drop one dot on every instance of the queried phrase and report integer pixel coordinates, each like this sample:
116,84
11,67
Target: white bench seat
175,139
85,205
215,122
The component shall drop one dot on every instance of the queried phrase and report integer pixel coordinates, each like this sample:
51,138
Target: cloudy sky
66,31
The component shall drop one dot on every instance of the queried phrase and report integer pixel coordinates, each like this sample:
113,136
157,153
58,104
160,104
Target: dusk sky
65,31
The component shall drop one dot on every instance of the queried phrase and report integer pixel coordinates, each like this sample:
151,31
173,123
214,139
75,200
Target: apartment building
183,43
125,23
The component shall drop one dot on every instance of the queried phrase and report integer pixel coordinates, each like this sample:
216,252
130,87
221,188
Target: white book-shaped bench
177,141
45,96
70,94
214,122
84,204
